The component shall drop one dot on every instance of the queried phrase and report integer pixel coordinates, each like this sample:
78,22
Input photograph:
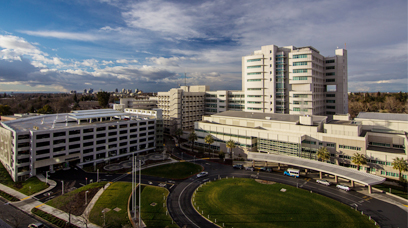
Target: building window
330,74
299,63
331,101
253,67
254,96
331,107
298,109
330,95
254,89
253,60
332,145
299,78
330,61
299,70
254,102
254,108
330,80
349,147
254,73
330,68
300,95
299,56
254,80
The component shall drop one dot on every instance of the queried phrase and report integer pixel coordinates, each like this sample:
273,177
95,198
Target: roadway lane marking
39,205
190,202
405,205
28,197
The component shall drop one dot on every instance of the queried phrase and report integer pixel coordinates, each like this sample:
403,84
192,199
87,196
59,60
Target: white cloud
126,61
63,35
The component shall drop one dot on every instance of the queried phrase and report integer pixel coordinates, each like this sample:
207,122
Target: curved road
181,209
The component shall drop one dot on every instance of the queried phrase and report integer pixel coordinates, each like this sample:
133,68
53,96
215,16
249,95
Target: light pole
103,212
86,180
97,175
62,187
86,197
46,177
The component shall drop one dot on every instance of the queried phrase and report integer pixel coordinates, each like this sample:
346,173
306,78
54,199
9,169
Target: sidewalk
27,203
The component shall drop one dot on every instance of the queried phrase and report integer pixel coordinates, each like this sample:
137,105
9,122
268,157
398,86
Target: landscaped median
243,202
154,207
72,203
179,170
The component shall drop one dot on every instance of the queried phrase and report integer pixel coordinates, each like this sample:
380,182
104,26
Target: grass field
116,196
155,216
247,203
179,170
28,187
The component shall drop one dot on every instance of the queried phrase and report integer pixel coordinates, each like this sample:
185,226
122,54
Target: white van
292,172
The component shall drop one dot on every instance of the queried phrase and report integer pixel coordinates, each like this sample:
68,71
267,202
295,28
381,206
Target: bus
291,172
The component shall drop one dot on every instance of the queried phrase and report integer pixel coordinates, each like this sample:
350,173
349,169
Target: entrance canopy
347,173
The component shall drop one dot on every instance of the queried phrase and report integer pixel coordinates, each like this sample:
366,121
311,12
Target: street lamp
86,180
62,187
97,175
46,177
103,212
86,197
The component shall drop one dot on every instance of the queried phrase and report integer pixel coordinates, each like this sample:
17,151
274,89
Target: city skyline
150,45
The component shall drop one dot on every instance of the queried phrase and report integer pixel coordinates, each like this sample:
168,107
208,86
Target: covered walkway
338,171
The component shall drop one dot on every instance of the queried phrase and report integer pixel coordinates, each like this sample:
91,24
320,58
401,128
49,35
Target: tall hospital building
295,80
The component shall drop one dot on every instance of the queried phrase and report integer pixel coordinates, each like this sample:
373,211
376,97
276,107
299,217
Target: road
14,217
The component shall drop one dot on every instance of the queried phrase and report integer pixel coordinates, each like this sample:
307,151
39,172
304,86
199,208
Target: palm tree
209,140
323,154
359,159
231,145
179,132
192,137
400,165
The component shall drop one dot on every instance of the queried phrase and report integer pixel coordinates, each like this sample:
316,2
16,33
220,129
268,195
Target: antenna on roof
185,79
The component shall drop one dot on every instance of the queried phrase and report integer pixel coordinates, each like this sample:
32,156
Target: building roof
348,173
383,116
65,120
267,116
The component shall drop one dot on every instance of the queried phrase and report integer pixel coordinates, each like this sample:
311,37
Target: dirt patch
264,181
76,204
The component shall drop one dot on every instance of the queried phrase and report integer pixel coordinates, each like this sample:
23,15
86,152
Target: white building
49,142
295,81
381,137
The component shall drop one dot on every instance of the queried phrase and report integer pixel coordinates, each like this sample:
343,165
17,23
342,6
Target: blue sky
64,45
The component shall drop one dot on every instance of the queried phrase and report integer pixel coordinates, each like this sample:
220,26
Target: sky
64,45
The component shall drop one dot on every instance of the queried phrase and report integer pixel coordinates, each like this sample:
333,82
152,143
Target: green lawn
116,196
23,187
246,203
155,216
179,170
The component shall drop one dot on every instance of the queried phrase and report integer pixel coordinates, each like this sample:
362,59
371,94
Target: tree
5,110
400,165
103,98
323,154
75,98
46,109
221,154
179,132
209,140
359,160
231,145
192,138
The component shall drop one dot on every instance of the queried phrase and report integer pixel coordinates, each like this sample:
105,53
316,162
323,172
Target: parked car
343,187
325,182
36,225
265,169
239,166
202,174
